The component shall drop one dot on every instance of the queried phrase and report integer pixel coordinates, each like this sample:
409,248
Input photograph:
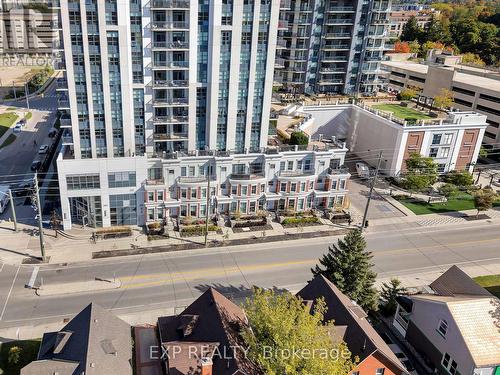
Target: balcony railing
170,119
170,4
283,25
169,25
170,101
333,9
338,21
279,63
65,121
295,173
170,83
170,45
170,136
336,46
170,64
337,171
337,35
246,176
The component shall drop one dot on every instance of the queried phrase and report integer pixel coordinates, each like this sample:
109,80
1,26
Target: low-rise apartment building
474,89
453,325
452,141
399,18
140,189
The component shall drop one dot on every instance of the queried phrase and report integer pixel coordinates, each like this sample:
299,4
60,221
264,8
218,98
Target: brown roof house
94,342
455,325
351,325
205,339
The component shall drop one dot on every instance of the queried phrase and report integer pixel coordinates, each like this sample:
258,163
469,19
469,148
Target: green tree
390,291
421,172
282,322
437,30
460,178
483,152
348,265
411,31
444,99
484,199
407,94
448,190
299,138
473,59
14,355
414,46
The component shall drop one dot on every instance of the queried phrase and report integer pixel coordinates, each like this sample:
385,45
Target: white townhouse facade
137,190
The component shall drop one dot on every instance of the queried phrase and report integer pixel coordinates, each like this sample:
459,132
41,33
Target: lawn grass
491,283
28,115
6,121
402,112
11,108
11,138
459,202
29,351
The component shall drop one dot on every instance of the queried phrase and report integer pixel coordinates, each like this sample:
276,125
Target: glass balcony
169,25
170,4
170,64
170,45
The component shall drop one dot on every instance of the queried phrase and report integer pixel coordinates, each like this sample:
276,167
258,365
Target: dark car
52,133
35,166
23,188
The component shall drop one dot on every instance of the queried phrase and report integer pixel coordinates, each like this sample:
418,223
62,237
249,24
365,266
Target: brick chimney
206,366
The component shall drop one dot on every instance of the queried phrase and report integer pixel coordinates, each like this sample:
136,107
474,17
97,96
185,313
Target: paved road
173,280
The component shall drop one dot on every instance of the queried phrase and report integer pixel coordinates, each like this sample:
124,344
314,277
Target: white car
18,128
43,149
363,170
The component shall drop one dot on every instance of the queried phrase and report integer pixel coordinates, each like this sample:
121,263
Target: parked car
35,166
43,149
403,358
22,122
18,128
363,170
52,133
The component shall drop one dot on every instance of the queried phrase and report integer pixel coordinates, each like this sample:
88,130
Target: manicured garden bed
491,283
402,112
198,230
28,353
299,221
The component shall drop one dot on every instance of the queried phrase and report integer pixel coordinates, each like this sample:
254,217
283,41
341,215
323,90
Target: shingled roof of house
94,342
214,322
360,337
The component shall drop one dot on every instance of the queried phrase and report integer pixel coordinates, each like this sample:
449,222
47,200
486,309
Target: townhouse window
307,164
300,205
233,207
342,184
151,214
243,207
283,187
244,190
191,171
192,210
290,165
444,152
252,207
193,193
449,364
183,171
151,196
159,214
254,189
442,327
447,138
311,185
299,165
436,139
293,186
291,204
380,371
234,189
183,193
159,195
302,186
262,188
183,210
204,192
203,210
334,184
281,204
433,151
282,166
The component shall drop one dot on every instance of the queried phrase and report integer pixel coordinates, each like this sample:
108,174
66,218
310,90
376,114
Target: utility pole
372,185
26,93
39,210
13,208
208,204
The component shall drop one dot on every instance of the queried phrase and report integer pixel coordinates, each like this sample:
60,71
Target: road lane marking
10,292
34,274
1,268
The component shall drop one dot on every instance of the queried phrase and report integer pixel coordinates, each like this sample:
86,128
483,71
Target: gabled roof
210,319
95,339
360,337
454,282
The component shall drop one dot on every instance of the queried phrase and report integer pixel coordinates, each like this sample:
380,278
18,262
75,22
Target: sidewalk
76,245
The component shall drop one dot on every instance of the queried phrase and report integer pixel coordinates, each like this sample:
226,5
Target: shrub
297,221
299,138
14,355
448,190
197,230
459,178
407,94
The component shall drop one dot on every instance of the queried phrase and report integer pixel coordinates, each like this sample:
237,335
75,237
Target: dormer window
443,327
